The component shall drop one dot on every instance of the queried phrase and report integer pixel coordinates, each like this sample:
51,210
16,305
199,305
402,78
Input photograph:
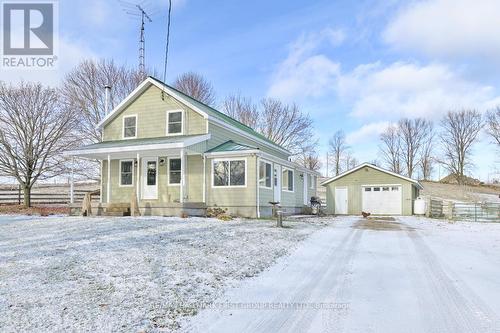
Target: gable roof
231,146
416,183
206,111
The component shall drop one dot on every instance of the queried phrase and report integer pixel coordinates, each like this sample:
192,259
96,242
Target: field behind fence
46,194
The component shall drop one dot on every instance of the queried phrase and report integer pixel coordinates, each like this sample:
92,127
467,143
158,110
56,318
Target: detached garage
370,189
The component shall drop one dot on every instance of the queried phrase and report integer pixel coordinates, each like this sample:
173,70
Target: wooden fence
15,196
435,208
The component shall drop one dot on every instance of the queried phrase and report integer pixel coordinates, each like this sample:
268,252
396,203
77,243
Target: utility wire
168,41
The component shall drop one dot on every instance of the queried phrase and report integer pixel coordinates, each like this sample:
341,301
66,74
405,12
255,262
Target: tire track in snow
431,313
324,280
461,310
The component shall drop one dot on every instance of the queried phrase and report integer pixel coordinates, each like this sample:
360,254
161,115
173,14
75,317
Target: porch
150,174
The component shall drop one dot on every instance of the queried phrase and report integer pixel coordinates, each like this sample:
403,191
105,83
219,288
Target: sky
355,66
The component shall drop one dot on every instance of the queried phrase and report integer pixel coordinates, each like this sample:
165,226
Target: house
176,154
371,189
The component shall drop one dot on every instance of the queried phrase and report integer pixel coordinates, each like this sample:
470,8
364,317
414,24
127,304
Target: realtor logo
28,31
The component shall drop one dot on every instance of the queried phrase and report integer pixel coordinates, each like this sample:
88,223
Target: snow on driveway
127,274
408,275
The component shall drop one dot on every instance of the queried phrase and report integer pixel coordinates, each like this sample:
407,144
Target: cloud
447,28
367,133
304,72
406,89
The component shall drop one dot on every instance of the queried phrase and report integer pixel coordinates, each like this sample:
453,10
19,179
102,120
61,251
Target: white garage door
382,200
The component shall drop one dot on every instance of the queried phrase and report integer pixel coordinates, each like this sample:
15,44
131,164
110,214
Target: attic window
129,127
174,122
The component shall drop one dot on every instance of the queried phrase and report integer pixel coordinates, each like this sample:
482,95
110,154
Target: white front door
277,183
150,178
341,200
382,200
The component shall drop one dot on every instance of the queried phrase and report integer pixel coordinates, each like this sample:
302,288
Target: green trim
230,146
221,116
137,142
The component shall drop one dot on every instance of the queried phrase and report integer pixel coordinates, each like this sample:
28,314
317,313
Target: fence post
475,212
19,194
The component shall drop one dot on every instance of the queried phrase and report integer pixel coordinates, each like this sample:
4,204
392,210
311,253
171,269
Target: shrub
216,211
225,217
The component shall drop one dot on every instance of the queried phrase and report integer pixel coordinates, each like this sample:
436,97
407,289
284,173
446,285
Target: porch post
257,186
183,175
108,189
71,184
100,185
138,177
204,178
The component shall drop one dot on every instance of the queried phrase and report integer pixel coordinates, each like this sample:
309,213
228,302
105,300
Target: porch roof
230,146
123,147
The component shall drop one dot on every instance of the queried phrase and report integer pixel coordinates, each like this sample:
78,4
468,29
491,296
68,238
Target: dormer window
175,121
130,127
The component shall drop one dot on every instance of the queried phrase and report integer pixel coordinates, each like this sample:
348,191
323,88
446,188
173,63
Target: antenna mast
138,10
142,41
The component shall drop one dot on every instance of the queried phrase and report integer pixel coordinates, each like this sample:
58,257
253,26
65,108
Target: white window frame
168,170
283,169
312,181
182,122
123,127
272,175
120,173
229,179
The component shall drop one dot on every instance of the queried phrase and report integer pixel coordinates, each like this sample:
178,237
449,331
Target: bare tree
309,157
285,125
426,155
338,149
241,109
196,86
391,149
412,134
34,131
83,93
459,131
493,124
350,161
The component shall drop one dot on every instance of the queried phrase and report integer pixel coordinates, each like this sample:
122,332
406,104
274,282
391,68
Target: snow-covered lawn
407,275
128,274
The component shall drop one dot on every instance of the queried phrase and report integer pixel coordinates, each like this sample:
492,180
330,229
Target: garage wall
367,176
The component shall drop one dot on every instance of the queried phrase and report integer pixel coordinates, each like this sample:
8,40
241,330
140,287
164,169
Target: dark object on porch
315,205
365,215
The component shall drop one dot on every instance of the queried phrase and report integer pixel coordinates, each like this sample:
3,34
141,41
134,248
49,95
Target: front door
341,200
277,183
150,178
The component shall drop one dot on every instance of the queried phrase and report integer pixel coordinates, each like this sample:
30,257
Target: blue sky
352,65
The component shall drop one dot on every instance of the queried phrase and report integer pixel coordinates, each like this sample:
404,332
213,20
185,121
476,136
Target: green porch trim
230,146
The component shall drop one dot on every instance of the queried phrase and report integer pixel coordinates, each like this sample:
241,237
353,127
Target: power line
166,48
168,41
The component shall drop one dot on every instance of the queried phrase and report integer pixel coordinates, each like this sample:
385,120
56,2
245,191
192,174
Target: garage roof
416,183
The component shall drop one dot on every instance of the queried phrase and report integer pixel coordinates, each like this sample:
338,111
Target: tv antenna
139,10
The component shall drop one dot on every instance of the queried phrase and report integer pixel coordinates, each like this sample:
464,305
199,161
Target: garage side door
382,200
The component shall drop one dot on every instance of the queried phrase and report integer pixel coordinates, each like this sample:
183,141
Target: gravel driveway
405,275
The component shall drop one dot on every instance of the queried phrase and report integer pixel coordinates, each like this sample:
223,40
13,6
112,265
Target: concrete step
116,213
